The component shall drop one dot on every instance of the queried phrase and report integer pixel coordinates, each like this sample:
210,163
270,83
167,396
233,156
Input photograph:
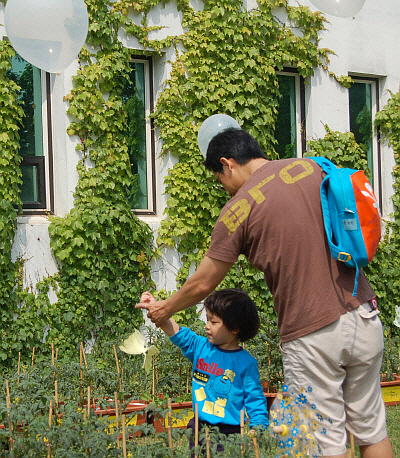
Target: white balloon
47,33
212,126
341,8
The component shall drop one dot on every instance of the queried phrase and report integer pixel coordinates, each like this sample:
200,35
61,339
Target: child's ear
235,331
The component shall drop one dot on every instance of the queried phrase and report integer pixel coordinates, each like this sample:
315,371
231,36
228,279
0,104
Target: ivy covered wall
225,61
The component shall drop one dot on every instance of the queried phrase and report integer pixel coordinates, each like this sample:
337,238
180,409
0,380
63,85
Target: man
331,341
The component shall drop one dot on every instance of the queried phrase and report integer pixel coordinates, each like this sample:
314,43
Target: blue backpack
351,215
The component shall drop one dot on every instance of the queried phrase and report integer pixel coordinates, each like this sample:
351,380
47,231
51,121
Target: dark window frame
375,133
44,205
302,106
153,188
41,206
39,163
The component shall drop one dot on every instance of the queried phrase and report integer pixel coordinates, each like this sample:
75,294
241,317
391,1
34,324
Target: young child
225,376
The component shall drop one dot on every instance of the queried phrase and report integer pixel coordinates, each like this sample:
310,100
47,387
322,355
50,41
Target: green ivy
384,271
226,60
341,148
229,65
102,248
11,114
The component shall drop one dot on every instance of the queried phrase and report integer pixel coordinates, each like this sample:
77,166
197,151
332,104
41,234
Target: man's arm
207,277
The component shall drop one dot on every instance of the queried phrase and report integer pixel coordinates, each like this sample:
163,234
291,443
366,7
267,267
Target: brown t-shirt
275,220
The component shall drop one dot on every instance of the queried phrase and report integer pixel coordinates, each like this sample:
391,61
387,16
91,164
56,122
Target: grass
393,426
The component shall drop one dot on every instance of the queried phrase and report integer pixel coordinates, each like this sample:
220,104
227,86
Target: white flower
135,344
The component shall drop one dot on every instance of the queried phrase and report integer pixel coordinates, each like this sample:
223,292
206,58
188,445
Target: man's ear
227,162
224,161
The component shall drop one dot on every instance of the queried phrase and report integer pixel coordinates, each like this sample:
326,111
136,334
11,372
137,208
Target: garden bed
391,392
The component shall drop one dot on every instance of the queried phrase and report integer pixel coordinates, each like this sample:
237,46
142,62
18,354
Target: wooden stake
117,364
88,401
84,356
154,378
256,450
117,416
242,428
33,355
8,404
19,365
81,370
116,359
171,447
53,360
123,436
50,421
196,427
208,442
351,453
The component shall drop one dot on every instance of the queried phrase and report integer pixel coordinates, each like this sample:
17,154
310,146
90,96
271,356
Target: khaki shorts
341,363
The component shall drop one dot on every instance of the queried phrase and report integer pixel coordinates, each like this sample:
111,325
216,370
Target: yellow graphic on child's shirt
216,408
228,374
216,389
200,394
208,407
219,408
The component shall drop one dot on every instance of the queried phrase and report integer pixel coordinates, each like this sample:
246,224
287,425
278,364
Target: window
137,96
36,194
363,105
290,115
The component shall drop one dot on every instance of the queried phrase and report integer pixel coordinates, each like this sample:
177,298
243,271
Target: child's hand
147,298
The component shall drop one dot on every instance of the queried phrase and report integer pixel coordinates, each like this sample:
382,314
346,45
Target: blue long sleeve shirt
224,382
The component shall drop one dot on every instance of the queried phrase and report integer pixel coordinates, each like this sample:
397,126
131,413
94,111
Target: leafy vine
229,65
384,271
225,61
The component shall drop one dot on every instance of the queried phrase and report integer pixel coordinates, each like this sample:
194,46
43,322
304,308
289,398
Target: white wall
365,45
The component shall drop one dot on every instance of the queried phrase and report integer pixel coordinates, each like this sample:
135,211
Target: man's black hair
237,311
232,143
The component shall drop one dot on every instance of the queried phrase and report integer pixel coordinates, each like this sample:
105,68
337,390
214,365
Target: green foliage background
225,61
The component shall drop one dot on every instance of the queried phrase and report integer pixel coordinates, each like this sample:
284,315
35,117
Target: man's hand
157,312
207,277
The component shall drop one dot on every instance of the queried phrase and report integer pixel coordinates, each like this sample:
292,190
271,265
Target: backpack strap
330,169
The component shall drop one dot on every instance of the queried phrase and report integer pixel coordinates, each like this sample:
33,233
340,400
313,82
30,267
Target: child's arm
170,327
254,398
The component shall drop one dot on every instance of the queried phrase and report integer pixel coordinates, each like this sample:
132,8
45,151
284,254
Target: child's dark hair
237,311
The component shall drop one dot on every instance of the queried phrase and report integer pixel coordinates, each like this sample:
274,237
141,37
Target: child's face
218,334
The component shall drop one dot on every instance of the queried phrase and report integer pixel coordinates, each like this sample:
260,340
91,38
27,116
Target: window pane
360,105
29,187
28,78
134,97
285,131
